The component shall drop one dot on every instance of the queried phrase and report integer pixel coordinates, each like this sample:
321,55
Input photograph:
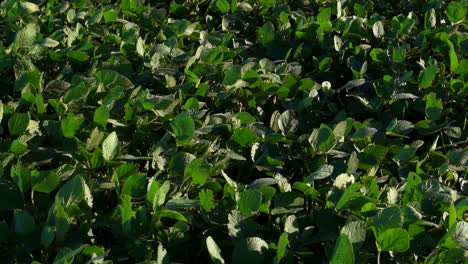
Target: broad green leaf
101,114
343,251
199,169
21,176
160,195
323,19
110,15
427,76
70,125
249,250
322,173
249,202
456,11
223,6
110,146
405,153
183,127
135,185
232,75
434,106
393,239
387,218
214,250
18,148
206,200
281,250
244,136
18,123
172,215
323,139
73,193
44,181
266,33
24,222
350,193
356,232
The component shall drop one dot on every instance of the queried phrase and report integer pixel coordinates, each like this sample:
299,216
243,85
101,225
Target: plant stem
378,257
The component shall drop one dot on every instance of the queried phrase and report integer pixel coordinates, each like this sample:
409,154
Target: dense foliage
266,131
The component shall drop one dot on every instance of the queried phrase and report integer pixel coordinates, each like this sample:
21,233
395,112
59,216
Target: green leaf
70,125
44,181
206,200
343,251
393,239
249,202
266,33
18,123
356,232
387,218
427,76
73,193
323,19
172,215
350,193
223,6
24,222
405,153
244,136
249,250
110,146
232,75
324,140
184,128
21,176
199,169
135,185
456,12
78,55
322,173
101,115
434,106
160,195
282,247
214,251
110,16
18,148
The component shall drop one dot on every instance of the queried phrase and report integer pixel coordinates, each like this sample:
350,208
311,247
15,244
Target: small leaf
184,128
343,251
434,106
456,12
206,200
249,202
199,169
378,29
135,185
244,136
101,115
249,250
140,47
24,222
214,250
69,125
322,173
232,75
160,195
282,247
18,123
110,146
393,239
427,76
266,33
223,6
